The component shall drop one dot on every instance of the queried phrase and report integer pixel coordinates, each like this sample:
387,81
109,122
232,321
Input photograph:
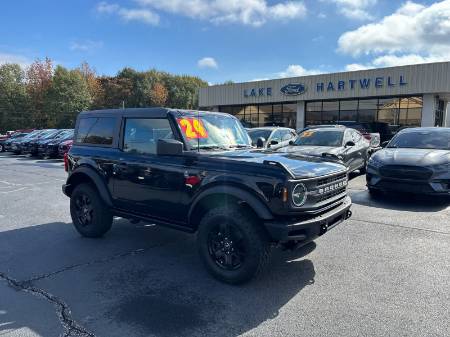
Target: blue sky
221,40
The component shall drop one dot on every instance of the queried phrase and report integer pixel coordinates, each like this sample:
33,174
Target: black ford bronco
197,172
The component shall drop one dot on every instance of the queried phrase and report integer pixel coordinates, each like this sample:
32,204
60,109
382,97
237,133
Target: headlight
375,163
299,195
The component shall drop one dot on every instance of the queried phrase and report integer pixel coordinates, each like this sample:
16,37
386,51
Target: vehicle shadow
400,201
143,280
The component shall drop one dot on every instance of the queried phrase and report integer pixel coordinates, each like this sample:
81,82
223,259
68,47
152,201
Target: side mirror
350,144
169,147
274,142
385,143
260,142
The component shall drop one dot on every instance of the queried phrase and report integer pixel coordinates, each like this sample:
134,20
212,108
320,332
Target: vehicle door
352,154
361,147
144,182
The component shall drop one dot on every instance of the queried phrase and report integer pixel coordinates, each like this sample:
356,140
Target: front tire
90,216
232,245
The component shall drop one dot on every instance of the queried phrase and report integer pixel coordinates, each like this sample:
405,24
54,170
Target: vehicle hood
300,166
418,157
311,150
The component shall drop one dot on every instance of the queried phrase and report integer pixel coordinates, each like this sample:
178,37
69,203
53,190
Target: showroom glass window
264,114
393,112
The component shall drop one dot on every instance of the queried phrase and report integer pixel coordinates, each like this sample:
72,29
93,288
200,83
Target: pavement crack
70,326
399,226
98,261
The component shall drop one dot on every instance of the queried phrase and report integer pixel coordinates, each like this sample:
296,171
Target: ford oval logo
293,89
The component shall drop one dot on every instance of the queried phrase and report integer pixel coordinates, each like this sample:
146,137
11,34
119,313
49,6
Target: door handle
119,167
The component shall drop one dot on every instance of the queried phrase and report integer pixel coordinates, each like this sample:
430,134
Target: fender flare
95,178
255,203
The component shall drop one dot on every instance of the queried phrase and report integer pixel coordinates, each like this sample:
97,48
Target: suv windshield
320,138
439,140
211,131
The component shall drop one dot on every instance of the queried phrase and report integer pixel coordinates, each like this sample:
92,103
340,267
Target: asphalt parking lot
385,272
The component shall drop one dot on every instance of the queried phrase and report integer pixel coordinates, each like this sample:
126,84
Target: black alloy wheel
90,216
84,210
226,246
233,244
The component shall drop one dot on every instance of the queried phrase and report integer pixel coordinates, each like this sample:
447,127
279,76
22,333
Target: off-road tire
101,217
254,239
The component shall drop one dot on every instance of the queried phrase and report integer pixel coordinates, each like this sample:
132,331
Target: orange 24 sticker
192,128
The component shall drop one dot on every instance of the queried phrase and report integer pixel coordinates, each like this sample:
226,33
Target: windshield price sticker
307,134
192,128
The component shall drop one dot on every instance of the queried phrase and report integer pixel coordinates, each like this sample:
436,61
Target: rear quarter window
96,131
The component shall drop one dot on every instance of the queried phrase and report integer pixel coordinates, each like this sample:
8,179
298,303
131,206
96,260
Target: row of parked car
52,143
335,142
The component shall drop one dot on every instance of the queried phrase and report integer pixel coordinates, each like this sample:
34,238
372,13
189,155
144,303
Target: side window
287,135
276,136
348,136
96,130
141,135
356,136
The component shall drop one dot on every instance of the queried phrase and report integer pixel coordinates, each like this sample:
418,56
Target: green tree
14,100
66,97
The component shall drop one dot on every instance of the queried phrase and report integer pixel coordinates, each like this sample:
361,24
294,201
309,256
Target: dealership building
414,95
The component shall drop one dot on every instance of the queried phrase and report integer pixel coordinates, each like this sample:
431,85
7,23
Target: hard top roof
268,128
148,112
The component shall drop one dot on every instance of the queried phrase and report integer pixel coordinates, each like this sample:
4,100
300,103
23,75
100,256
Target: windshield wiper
212,147
239,146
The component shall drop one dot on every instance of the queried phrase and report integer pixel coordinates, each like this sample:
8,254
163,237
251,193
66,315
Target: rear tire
2,148
232,245
90,216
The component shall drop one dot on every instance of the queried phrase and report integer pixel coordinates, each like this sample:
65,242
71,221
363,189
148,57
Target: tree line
44,96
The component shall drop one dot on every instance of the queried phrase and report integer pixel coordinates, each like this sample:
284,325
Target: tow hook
348,215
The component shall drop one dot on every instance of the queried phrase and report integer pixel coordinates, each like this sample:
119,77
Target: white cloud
295,70
413,34
85,45
14,58
355,9
207,62
248,12
413,28
356,66
134,14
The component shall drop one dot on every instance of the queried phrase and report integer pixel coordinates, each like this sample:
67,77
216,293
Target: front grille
328,180
414,187
406,172
330,195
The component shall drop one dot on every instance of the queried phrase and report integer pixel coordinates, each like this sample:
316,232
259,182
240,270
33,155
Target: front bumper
424,187
307,230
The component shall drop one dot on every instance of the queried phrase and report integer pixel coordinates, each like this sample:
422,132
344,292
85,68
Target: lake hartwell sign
296,89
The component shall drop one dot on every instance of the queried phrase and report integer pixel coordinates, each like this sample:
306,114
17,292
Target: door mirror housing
169,147
350,144
260,142
274,142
